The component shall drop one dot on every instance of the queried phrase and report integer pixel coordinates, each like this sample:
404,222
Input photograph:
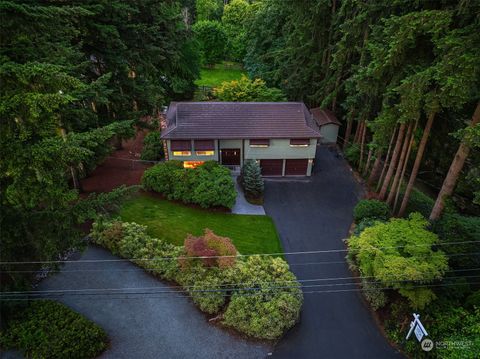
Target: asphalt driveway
144,326
315,214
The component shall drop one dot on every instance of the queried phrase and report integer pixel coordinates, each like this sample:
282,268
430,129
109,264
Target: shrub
209,245
363,224
152,147
271,308
251,179
48,329
209,185
419,202
374,294
399,255
352,154
161,178
457,228
371,208
255,307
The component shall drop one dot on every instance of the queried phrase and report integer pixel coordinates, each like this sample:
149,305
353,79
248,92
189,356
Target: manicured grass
213,77
172,222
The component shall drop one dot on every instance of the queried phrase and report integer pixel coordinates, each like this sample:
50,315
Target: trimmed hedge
48,329
209,185
371,208
243,294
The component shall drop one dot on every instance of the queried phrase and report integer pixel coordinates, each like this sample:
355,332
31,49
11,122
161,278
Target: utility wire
233,286
260,291
233,256
142,269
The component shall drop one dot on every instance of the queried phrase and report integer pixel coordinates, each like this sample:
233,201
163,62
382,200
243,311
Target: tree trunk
369,159
387,159
357,131
405,164
376,167
348,131
416,164
454,171
362,144
393,162
401,162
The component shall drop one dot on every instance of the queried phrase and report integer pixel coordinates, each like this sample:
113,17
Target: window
260,142
204,145
299,142
192,164
204,153
182,153
180,146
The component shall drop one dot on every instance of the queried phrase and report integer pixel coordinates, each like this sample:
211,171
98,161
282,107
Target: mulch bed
122,167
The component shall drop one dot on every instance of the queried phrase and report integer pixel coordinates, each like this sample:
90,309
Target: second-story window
299,142
264,142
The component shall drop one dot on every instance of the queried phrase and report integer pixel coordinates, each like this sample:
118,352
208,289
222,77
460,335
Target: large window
299,142
192,164
264,142
204,147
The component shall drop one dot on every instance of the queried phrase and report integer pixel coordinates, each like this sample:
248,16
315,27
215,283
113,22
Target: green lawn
213,77
172,222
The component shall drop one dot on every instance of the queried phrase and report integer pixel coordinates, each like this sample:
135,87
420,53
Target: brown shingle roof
214,120
324,117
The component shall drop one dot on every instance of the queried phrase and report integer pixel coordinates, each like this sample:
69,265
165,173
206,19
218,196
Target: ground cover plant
209,185
173,221
256,295
48,329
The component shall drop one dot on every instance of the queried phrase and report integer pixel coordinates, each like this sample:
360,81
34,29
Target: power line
148,295
233,286
141,269
233,256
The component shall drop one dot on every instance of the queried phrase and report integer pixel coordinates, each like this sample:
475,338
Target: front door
230,156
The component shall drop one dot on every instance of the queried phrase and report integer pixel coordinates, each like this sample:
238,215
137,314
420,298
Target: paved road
316,214
168,327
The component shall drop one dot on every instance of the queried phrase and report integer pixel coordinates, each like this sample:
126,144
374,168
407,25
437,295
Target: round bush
371,208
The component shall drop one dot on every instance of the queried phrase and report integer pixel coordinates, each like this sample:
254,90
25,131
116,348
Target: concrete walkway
144,325
241,204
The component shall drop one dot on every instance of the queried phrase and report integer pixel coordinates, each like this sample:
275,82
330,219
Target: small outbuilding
328,124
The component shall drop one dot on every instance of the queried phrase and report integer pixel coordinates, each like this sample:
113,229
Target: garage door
296,167
271,167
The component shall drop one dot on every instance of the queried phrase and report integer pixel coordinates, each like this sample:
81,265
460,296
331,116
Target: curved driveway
143,325
315,214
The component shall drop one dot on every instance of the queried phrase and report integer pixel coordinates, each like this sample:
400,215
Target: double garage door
293,167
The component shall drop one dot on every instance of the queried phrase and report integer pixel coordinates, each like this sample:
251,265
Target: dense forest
78,77
75,77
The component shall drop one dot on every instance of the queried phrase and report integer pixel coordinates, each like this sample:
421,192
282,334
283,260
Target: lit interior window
204,153
182,153
192,164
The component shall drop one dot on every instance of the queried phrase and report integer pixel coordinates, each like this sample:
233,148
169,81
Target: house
328,124
281,136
